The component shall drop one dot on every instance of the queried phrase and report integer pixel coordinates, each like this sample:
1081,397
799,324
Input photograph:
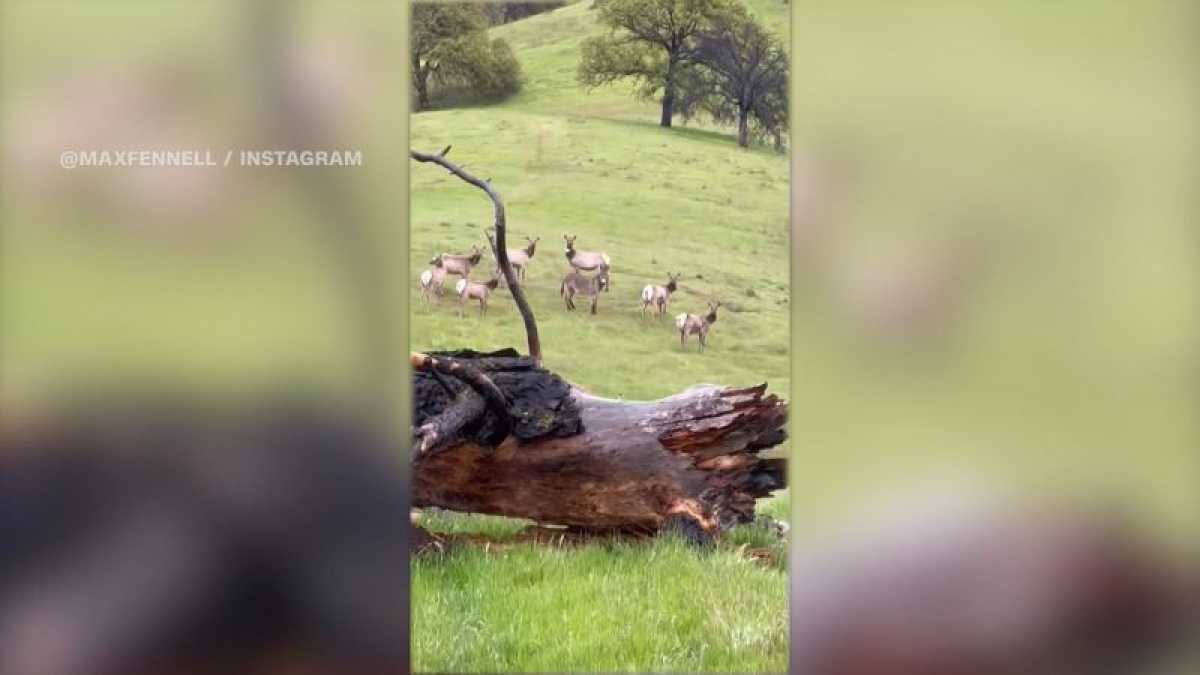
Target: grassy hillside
655,201
548,48
596,165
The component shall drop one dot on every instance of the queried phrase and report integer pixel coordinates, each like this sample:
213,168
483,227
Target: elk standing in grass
433,279
460,265
585,260
659,296
475,290
575,282
690,324
519,258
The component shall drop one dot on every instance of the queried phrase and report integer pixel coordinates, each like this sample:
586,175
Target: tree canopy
450,48
698,55
652,42
745,76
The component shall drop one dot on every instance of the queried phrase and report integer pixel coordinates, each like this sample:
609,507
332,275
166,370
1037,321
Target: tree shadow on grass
707,136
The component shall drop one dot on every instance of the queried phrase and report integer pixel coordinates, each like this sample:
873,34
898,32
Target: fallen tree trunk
691,460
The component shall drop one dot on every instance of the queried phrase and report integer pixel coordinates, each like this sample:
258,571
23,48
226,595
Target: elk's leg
594,299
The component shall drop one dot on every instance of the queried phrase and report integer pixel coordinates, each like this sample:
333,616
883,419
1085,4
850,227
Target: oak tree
652,42
450,47
745,75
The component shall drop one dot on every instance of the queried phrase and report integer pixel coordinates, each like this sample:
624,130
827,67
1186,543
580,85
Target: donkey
433,280
519,258
575,282
585,260
475,290
690,324
660,296
460,265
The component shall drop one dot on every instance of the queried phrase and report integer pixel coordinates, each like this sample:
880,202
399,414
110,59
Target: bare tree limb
447,428
499,246
464,412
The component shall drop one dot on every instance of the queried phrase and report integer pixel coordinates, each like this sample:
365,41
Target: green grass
596,165
609,606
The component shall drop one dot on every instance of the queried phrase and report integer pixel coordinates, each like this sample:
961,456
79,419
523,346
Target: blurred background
217,276
994,268
995,248
202,367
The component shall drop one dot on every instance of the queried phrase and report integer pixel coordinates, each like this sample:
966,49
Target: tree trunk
744,128
668,102
692,457
421,80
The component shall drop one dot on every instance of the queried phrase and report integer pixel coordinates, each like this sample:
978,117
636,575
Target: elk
659,296
520,257
433,279
585,260
690,324
460,265
575,282
475,290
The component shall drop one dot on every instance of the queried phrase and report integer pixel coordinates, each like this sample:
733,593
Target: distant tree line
501,12
694,56
454,59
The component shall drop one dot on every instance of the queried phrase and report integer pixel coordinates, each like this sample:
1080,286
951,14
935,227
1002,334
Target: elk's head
712,311
532,245
436,261
476,254
570,243
672,280
602,279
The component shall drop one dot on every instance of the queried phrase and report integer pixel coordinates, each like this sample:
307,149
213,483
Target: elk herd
587,277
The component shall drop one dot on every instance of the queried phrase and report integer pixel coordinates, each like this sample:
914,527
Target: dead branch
499,246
